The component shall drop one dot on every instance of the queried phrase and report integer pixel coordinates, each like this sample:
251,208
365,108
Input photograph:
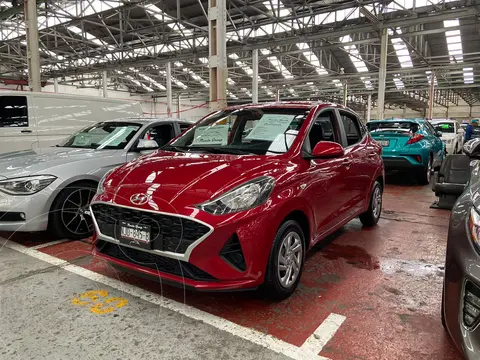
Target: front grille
153,261
232,253
471,305
168,232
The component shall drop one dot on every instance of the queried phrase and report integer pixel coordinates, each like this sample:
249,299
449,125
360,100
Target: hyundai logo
139,199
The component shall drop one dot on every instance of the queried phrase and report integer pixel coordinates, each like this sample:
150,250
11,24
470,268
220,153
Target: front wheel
426,173
70,216
285,264
372,215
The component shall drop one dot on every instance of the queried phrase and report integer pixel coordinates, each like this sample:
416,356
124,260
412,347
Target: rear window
393,126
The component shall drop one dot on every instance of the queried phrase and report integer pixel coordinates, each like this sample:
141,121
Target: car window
13,111
352,128
162,134
445,127
323,129
184,126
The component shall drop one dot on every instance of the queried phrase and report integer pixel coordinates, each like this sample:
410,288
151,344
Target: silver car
51,188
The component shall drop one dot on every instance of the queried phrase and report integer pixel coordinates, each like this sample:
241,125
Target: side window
13,111
162,134
323,129
352,128
184,126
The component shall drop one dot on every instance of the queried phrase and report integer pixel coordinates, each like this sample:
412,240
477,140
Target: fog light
471,305
22,216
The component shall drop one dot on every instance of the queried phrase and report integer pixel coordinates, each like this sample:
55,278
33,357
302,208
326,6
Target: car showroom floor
365,294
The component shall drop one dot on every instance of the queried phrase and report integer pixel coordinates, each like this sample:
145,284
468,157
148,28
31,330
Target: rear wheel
285,264
70,215
425,173
372,215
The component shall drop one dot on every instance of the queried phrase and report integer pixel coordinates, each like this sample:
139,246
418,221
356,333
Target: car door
326,187
17,125
162,133
362,169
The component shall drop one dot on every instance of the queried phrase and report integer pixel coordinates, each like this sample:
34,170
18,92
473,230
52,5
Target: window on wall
352,128
13,111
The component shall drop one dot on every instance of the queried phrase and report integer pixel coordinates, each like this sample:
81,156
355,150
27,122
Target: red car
237,200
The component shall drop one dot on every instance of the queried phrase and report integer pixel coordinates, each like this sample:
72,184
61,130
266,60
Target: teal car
409,145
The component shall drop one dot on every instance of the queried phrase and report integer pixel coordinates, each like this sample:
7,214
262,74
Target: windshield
446,127
245,131
393,126
105,135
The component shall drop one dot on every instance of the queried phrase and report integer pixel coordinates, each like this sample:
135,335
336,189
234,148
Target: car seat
450,181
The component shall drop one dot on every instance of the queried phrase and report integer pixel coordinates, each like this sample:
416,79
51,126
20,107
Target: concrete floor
385,281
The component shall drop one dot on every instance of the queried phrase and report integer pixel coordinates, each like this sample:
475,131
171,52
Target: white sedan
452,134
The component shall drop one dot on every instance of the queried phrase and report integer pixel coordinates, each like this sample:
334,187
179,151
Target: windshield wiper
174,148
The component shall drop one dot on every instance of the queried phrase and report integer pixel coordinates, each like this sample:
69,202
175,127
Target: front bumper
202,265
461,267
34,208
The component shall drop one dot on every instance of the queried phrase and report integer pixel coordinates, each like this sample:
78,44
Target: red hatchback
237,200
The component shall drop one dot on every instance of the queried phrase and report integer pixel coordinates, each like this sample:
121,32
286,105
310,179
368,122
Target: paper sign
282,142
211,135
445,126
269,126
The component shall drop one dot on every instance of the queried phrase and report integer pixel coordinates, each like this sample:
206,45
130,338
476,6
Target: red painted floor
385,280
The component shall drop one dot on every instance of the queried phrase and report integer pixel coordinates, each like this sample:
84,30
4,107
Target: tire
442,309
276,286
372,215
69,215
426,172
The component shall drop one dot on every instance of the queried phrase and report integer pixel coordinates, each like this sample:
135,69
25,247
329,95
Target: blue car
409,145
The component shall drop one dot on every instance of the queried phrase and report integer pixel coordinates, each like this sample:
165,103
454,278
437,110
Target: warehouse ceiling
307,49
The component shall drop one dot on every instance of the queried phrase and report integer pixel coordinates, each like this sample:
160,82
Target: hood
185,179
35,161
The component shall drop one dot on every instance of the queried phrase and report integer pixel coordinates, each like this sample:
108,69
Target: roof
146,120
285,104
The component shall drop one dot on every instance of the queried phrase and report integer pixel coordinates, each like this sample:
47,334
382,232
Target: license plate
384,142
135,232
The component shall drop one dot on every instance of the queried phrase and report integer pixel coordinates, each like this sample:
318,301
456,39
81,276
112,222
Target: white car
452,134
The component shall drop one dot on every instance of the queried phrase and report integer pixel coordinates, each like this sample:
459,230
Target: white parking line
307,352
323,334
51,243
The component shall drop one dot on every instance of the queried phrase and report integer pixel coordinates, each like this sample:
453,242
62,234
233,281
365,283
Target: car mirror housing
472,148
460,131
327,149
146,145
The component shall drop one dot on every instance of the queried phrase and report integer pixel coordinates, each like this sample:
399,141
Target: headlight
101,187
26,185
474,226
243,197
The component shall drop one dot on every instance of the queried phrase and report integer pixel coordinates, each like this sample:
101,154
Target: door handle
26,131
347,162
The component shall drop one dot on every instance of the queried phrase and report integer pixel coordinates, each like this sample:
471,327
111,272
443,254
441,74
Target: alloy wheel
290,258
377,202
75,212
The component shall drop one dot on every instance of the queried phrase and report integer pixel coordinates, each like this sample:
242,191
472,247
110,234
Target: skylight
367,82
455,50
312,58
337,83
277,64
135,81
246,69
267,90
77,31
195,76
149,79
401,50
354,54
398,82
246,91
429,78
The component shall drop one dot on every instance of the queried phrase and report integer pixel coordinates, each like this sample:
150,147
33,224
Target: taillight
415,138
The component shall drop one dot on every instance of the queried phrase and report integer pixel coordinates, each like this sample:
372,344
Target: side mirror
460,131
439,134
327,149
472,148
146,145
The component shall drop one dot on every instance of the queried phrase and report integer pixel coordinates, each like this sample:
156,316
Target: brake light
415,138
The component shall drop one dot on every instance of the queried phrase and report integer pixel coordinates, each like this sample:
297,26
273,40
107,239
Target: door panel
17,124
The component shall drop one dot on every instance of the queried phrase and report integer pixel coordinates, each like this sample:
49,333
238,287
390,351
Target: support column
169,89
345,93
277,95
255,76
217,19
382,75
33,52
55,85
431,95
404,112
178,106
369,107
104,84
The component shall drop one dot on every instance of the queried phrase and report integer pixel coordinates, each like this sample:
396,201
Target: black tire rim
75,212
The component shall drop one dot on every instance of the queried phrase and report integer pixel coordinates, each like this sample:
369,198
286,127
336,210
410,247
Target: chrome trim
183,257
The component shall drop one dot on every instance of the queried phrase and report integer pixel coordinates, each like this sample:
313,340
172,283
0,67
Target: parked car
221,208
452,134
36,120
409,145
51,188
461,288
